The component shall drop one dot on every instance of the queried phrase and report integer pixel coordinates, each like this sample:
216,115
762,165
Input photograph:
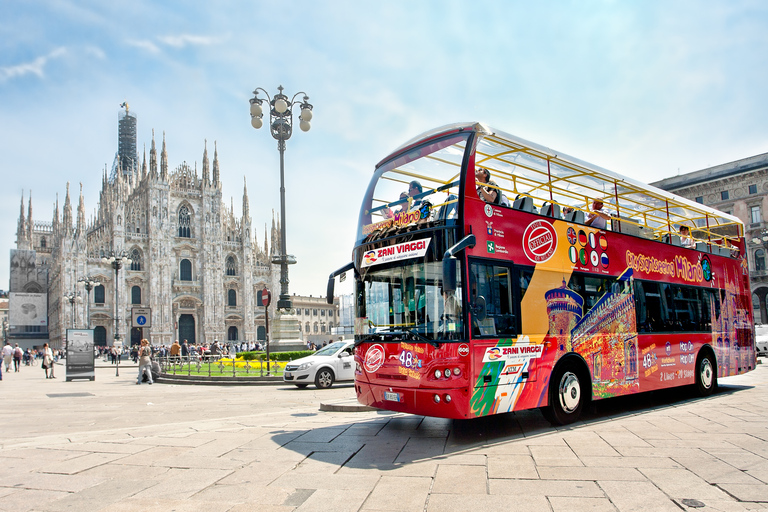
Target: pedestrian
17,355
145,361
7,356
175,351
48,362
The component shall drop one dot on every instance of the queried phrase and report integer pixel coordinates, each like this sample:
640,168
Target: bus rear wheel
566,395
706,373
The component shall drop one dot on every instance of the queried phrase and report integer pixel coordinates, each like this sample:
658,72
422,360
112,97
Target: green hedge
275,356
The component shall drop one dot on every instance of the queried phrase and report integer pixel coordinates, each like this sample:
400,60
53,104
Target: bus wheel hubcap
706,373
570,392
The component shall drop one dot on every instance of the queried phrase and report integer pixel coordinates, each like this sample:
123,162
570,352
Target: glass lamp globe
255,108
281,106
304,125
256,122
306,115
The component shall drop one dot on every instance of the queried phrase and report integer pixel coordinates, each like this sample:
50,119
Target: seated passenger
685,237
489,192
414,189
598,218
403,206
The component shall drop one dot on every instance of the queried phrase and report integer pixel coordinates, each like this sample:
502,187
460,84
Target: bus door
494,297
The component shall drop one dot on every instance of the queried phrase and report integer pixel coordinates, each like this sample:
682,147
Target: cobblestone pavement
112,445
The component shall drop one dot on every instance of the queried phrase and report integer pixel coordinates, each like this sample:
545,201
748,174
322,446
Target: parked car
761,339
330,364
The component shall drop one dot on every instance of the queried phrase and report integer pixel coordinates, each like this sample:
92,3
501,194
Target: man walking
7,356
17,355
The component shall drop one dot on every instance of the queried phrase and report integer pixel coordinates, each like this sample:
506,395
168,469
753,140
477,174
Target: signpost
265,297
142,317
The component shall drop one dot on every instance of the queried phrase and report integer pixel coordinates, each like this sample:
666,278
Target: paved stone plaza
112,445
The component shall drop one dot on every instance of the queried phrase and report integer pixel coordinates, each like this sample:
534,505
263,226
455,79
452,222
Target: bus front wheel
706,373
567,390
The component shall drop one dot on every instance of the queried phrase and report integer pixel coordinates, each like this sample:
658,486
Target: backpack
18,352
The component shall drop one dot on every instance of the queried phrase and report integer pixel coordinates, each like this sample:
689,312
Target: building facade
196,263
318,319
739,188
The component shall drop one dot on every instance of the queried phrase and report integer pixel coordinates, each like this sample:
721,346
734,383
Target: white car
330,364
761,339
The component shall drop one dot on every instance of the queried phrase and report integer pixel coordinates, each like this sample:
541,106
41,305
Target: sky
648,89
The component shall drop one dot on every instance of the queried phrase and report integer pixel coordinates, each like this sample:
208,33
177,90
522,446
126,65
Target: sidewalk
111,445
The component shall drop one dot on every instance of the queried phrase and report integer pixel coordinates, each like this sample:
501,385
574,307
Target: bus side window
651,309
494,284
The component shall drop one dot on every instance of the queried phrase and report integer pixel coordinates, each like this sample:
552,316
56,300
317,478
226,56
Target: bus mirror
449,274
360,299
478,309
329,290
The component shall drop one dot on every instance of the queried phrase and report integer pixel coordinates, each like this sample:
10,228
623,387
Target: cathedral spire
144,164
246,209
216,182
21,230
55,221
153,158
164,162
30,222
206,172
67,220
81,214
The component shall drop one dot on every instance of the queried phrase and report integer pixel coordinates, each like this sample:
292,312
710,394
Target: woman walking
48,361
145,361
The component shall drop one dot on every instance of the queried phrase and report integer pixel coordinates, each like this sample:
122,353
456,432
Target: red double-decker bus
493,274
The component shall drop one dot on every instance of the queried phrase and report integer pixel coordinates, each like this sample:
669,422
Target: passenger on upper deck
598,218
685,237
414,189
489,192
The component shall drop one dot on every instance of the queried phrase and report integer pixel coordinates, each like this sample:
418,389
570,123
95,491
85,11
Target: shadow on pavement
391,441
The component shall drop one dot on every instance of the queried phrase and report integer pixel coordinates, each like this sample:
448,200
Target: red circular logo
539,241
374,358
463,349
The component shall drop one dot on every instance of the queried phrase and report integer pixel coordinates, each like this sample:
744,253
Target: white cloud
36,67
188,40
145,45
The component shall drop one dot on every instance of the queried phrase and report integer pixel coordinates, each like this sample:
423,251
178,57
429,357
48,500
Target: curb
346,408
165,378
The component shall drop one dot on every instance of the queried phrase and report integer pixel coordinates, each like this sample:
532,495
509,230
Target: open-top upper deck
443,162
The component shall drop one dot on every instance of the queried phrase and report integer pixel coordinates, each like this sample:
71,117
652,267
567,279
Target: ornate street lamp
73,298
90,283
281,127
117,259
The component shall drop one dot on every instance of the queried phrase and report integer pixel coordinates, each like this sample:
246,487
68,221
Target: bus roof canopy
523,168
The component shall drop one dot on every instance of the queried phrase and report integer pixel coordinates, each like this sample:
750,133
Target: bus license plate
392,397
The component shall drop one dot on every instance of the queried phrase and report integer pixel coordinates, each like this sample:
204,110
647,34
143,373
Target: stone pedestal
285,333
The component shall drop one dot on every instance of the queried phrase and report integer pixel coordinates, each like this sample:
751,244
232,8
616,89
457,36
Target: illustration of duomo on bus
606,337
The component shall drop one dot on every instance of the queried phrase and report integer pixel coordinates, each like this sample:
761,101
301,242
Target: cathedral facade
194,263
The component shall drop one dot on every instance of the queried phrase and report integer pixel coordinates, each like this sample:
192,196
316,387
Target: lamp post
281,127
90,283
73,298
117,259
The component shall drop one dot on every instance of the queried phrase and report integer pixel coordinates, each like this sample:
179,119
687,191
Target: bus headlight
456,371
436,399
447,398
438,374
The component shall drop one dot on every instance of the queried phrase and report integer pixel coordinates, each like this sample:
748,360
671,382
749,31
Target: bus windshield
418,186
409,300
